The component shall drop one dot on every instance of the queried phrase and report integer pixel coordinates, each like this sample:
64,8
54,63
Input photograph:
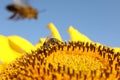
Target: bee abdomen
12,7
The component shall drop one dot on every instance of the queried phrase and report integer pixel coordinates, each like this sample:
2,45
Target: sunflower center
83,63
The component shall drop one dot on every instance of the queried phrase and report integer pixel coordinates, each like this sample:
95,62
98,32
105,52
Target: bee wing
21,2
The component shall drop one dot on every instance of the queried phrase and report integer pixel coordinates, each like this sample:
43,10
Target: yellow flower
68,61
78,59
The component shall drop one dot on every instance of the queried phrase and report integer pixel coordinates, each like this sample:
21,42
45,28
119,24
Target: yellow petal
20,44
7,54
75,35
54,31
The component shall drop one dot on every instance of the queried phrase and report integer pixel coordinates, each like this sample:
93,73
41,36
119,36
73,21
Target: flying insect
21,10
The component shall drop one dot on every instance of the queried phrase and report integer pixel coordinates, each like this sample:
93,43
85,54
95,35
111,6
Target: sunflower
66,60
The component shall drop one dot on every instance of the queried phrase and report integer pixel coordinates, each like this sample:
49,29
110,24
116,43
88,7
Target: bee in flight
21,10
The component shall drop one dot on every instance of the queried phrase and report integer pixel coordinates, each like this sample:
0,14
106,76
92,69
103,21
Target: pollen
66,61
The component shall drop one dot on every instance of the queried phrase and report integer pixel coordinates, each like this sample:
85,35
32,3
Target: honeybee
50,41
21,10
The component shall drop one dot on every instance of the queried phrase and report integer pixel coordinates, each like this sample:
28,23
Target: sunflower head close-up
60,60
59,40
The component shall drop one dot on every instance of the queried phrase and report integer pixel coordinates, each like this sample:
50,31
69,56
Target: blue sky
97,19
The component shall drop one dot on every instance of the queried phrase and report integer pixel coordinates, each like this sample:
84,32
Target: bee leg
11,17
